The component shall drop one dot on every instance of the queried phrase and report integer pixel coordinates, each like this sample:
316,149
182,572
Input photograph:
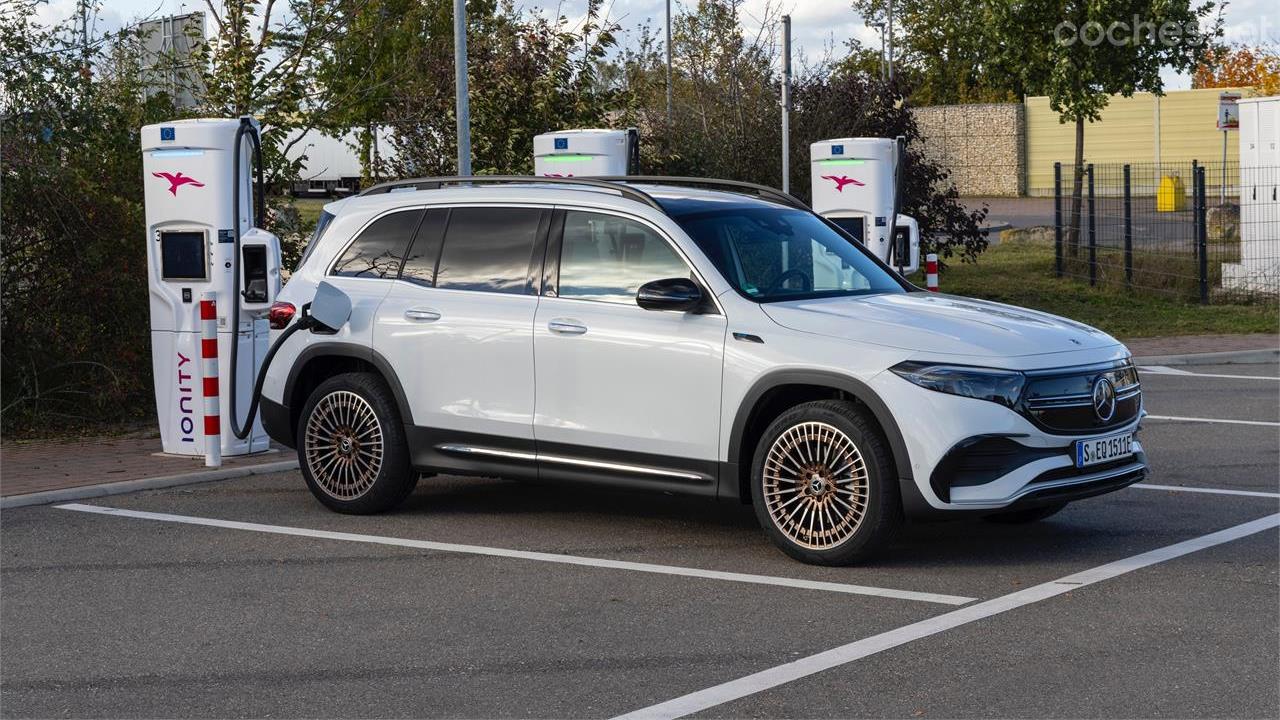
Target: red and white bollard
209,372
931,272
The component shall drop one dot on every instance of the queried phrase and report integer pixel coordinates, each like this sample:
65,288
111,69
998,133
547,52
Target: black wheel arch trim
860,391
351,350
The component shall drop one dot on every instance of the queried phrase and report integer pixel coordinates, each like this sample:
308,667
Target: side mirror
331,307
670,294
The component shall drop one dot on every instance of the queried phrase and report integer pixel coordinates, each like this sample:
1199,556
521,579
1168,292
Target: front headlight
999,386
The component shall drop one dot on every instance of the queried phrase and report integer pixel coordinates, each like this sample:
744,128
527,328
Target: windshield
771,254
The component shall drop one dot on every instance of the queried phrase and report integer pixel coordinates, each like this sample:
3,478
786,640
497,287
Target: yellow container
1172,195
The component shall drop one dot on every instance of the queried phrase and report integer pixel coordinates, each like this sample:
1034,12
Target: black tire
1028,515
855,532
371,472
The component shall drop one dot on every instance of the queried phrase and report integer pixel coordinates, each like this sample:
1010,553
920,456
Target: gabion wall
981,145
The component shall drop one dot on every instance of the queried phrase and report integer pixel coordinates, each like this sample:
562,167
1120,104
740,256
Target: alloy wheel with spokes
823,485
352,447
344,444
815,485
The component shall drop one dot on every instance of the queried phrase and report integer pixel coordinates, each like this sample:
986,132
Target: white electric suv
693,336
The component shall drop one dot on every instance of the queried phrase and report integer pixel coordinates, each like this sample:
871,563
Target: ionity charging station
587,153
855,183
201,213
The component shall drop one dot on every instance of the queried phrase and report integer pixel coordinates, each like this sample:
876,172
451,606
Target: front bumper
1023,465
972,477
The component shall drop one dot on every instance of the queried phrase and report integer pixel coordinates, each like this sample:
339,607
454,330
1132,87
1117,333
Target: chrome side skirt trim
639,469
540,457
494,452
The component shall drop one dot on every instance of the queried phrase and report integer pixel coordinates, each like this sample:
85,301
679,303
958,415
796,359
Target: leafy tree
73,302
1240,66
726,120
302,65
849,104
1080,52
942,50
365,65
527,74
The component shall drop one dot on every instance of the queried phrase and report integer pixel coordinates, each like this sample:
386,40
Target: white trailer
1259,266
330,165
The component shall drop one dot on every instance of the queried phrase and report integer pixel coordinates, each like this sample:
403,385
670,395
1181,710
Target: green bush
73,305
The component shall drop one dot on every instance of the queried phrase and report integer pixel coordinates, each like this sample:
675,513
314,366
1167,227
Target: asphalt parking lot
487,598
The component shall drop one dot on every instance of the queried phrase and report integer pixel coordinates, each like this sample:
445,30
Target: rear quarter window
379,249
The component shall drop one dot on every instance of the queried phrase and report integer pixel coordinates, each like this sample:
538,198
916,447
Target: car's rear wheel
822,484
351,446
1026,515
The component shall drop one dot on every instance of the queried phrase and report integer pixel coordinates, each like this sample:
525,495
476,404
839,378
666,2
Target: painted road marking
782,674
1211,491
527,555
1175,418
1162,370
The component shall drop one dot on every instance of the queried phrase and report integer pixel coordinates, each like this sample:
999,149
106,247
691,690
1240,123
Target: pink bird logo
177,181
842,180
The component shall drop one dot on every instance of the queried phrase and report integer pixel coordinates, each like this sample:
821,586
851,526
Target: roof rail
761,190
435,183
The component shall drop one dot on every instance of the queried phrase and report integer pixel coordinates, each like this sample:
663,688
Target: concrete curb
1232,357
155,483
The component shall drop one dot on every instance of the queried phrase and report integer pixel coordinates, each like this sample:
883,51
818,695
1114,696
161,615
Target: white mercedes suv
685,335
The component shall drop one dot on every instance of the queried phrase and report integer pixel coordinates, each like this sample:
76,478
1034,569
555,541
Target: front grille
1061,401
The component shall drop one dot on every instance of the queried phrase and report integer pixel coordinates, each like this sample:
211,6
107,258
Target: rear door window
488,249
380,247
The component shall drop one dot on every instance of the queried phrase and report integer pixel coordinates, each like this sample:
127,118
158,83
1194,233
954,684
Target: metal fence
1207,232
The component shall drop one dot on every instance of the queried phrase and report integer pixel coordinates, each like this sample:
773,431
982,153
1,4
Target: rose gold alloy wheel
343,445
815,485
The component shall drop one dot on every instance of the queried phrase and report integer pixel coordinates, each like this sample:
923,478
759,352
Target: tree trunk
1077,181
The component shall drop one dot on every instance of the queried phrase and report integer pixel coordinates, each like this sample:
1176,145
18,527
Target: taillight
280,315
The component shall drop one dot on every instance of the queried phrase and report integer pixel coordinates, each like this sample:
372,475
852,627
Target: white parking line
1211,491
1176,418
527,555
773,677
1163,370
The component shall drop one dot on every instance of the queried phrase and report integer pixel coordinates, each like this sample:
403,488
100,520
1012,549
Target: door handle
422,314
566,327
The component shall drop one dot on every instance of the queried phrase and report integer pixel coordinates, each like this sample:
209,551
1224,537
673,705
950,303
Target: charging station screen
182,256
852,225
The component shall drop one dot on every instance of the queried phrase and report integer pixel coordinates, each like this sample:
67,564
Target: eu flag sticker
166,134
837,149
562,143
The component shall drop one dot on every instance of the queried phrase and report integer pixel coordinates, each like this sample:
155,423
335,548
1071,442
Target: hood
938,324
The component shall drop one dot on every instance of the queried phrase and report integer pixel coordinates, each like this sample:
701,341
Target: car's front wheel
351,446
822,484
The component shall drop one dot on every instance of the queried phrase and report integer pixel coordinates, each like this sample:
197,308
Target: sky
816,25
